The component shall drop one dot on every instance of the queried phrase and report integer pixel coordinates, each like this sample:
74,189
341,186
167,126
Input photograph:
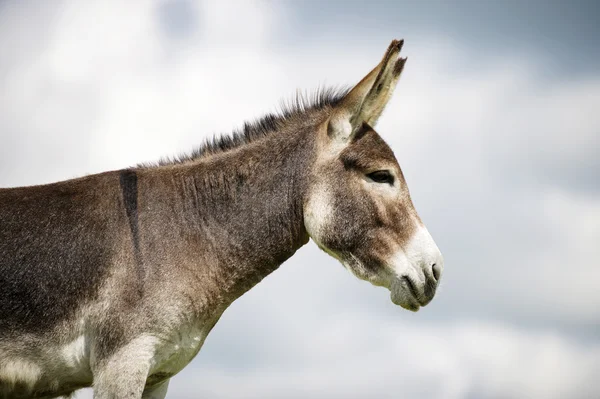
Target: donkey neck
245,206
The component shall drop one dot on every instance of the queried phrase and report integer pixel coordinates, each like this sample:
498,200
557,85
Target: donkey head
358,207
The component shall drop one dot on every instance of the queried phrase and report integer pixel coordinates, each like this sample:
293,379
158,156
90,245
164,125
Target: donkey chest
174,352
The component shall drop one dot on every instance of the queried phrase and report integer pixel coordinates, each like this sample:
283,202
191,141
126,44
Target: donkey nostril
437,271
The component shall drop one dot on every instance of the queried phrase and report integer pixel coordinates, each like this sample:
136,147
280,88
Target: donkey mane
300,104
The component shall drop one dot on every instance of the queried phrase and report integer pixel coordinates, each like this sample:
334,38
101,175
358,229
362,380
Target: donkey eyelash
381,176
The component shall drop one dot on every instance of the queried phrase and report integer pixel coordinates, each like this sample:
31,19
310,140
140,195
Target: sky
495,124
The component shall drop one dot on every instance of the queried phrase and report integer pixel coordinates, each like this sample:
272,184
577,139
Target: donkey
114,280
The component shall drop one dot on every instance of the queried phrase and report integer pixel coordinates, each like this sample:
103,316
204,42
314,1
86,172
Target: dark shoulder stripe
129,189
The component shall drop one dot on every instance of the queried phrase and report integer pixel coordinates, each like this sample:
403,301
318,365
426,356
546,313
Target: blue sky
494,123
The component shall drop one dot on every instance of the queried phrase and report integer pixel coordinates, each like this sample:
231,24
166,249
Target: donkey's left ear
366,101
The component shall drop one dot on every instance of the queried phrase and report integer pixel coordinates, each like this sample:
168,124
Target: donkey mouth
404,293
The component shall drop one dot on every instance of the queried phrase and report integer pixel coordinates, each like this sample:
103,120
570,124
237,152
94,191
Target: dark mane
301,104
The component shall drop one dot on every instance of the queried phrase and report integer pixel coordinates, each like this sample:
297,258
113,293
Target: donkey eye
382,176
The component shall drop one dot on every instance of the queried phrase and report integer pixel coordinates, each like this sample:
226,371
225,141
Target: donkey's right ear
366,101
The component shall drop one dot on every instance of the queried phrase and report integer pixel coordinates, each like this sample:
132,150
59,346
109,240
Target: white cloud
346,358
491,153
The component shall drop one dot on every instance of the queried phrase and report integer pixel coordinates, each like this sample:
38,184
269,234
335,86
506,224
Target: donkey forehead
368,150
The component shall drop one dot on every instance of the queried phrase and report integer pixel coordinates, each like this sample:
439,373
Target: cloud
108,85
342,360
500,159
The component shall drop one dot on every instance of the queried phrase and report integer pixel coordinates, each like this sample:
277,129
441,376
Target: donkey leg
115,383
157,391
123,374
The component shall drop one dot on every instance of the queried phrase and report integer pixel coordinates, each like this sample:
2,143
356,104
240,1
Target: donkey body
114,280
